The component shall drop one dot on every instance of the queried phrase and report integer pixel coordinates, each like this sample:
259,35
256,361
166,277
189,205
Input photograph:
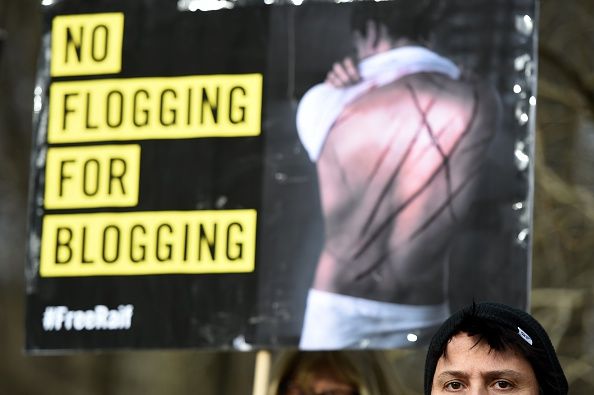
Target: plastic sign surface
323,175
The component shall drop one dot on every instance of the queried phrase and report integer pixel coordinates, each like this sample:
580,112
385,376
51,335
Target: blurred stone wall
563,254
563,237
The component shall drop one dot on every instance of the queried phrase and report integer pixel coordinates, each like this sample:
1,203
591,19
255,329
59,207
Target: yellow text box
140,243
155,108
87,44
97,176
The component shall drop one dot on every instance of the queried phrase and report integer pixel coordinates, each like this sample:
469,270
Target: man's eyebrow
492,374
505,373
452,374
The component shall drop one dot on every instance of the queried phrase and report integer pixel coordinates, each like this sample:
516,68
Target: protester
493,348
332,373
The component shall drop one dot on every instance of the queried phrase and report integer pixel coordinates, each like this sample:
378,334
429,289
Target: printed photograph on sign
397,142
321,176
406,124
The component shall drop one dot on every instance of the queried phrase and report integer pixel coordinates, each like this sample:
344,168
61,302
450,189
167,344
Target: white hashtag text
56,318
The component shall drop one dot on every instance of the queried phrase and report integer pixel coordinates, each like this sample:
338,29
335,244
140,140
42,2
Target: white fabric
321,105
335,321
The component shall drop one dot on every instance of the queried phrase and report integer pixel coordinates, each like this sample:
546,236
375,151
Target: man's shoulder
466,89
439,86
415,87
429,87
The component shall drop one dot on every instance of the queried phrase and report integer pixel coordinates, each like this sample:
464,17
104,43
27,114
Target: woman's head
332,373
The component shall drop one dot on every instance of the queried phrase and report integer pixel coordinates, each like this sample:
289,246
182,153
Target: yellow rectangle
96,176
155,108
140,243
87,44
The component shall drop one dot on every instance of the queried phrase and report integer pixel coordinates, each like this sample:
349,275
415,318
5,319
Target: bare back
396,177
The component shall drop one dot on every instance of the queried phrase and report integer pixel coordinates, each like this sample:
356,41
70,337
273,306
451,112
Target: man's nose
479,390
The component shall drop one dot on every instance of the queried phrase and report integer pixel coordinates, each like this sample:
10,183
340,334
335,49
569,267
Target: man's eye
454,386
503,384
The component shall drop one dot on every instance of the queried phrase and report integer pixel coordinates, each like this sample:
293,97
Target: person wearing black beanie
492,348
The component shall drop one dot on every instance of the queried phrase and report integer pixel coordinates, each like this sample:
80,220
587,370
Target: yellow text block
155,108
96,176
140,243
87,44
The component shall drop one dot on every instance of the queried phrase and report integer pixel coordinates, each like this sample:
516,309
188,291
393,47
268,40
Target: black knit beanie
534,339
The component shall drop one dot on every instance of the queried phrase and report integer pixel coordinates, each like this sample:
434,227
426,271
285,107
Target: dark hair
412,19
502,328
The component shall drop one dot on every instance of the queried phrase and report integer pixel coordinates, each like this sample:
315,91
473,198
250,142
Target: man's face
476,369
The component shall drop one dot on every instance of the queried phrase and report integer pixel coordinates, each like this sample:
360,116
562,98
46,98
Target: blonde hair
367,371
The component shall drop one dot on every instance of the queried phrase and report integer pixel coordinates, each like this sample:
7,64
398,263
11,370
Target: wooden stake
262,372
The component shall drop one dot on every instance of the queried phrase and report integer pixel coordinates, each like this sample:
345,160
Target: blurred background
562,296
